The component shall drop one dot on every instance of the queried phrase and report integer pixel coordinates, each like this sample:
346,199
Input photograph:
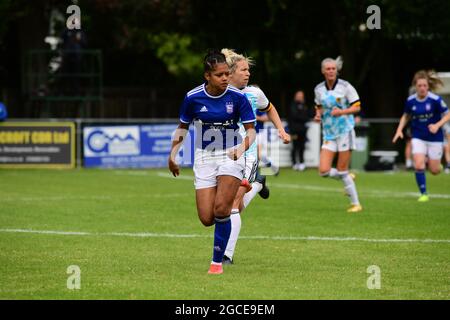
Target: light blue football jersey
258,101
341,96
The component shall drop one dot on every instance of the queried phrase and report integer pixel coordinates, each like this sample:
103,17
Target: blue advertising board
133,146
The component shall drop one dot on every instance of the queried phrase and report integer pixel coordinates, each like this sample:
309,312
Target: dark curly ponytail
212,58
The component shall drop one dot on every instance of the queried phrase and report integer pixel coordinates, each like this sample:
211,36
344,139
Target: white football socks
234,235
248,197
350,187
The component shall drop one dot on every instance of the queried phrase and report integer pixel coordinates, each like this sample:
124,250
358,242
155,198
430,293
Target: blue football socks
421,182
221,235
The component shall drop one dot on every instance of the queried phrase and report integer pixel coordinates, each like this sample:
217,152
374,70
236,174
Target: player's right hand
397,135
174,168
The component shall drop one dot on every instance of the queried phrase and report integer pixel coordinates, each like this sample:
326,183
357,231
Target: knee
419,167
221,210
435,171
207,221
206,217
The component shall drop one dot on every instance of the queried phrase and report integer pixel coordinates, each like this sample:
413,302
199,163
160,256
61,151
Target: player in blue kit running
428,113
216,108
336,102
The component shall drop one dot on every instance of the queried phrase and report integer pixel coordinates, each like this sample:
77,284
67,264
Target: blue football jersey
423,113
3,112
216,118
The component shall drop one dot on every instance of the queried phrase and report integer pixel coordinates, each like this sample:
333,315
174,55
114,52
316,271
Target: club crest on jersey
428,107
230,107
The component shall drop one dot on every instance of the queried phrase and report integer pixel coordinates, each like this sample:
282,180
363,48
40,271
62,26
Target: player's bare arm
436,126
399,133
250,137
318,115
180,134
273,116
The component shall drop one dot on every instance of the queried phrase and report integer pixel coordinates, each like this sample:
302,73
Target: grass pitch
136,235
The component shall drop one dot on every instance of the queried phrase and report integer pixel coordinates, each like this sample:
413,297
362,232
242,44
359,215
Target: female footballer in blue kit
428,113
216,108
336,102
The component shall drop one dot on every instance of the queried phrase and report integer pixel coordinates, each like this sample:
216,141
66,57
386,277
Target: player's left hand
336,112
284,136
433,128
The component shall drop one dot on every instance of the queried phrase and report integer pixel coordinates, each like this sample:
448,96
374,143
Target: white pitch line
64,233
171,235
374,192
170,176
55,198
108,198
370,192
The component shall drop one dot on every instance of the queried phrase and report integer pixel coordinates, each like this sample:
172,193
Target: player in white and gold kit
336,102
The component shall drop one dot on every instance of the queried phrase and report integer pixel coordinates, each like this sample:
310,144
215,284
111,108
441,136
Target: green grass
101,202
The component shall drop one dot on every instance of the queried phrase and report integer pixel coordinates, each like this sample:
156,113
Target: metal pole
79,142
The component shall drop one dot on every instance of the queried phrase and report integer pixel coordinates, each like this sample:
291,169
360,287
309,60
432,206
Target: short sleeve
407,108
351,94
442,106
261,101
245,110
186,111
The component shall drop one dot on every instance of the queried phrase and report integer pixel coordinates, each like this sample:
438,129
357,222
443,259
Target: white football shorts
431,149
342,143
208,165
251,167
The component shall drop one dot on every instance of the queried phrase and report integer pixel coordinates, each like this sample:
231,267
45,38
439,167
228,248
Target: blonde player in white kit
239,77
336,102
